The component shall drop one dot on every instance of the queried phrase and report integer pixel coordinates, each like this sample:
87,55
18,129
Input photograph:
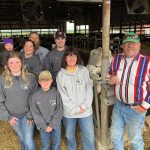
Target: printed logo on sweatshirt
38,102
8,86
53,102
24,86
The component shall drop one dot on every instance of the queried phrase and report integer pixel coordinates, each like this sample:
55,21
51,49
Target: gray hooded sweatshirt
5,54
46,108
76,91
32,64
14,100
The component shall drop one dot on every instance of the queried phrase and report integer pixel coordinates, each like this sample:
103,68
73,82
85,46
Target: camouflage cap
45,75
131,37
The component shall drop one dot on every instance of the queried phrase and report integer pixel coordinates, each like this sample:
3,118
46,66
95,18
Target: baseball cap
45,75
59,34
8,40
131,37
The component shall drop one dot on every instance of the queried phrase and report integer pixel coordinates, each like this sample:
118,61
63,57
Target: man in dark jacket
53,59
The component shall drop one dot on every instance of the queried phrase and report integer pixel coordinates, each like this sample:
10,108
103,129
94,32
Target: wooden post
105,67
121,19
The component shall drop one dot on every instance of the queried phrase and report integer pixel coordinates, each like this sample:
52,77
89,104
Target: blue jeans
126,116
87,131
25,133
45,138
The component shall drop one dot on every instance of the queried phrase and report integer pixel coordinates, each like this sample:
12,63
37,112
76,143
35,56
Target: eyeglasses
129,44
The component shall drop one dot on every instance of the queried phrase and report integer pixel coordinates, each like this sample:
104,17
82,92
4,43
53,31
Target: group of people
44,89
49,87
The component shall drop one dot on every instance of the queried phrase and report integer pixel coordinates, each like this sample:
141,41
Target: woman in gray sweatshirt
31,61
75,87
16,86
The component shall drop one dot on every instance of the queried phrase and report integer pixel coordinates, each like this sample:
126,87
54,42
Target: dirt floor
9,141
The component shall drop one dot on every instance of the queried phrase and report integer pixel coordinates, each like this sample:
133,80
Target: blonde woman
16,86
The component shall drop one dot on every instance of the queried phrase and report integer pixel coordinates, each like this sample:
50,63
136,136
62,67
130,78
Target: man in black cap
53,59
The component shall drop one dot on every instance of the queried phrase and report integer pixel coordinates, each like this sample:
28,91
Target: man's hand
138,109
113,79
49,129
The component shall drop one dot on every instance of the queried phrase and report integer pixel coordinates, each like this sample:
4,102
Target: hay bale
147,121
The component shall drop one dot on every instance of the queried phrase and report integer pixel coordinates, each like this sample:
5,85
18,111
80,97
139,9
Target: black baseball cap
59,34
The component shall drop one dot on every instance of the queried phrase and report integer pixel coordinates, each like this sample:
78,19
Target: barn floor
9,141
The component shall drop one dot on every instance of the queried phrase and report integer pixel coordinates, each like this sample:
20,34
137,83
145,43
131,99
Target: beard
60,46
37,45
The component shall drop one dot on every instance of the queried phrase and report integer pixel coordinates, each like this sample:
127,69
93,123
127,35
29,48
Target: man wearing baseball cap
131,37
59,34
130,75
54,57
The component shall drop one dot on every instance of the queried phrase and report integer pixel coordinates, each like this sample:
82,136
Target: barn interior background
82,22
